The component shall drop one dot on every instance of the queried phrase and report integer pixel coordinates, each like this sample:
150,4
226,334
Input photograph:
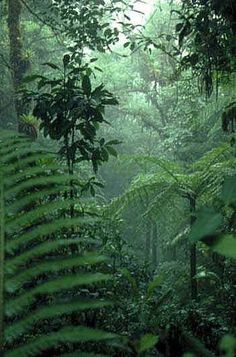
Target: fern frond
69,334
45,230
51,312
33,197
39,182
52,266
215,155
17,305
36,214
37,170
40,258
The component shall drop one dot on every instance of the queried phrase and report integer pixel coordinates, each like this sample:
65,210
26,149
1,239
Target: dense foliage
117,178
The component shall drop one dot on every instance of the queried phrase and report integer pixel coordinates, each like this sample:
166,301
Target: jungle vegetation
117,178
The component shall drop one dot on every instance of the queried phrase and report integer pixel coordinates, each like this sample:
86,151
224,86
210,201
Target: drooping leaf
207,223
86,85
226,245
33,77
229,190
147,342
52,65
111,151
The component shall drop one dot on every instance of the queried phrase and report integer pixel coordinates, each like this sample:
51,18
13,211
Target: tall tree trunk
193,252
154,245
18,63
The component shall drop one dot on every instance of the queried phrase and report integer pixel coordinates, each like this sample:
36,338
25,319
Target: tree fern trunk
154,245
147,243
2,236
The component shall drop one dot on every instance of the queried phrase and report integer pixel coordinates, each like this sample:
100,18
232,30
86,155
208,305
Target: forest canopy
117,178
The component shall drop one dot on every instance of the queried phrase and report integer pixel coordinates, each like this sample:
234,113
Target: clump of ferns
47,277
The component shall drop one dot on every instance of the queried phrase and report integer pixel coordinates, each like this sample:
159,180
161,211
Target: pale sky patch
145,7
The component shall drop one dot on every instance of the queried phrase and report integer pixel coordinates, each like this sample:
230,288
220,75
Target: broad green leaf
111,151
228,345
146,342
207,223
226,245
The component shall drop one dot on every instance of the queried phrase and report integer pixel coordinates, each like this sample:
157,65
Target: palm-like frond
41,268
153,191
168,185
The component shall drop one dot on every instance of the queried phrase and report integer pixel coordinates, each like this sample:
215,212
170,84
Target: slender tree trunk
193,253
154,245
147,243
18,63
2,235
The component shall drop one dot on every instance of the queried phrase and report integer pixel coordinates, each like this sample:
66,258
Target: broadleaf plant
71,112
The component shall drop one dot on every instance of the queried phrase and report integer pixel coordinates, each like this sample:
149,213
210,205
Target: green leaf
52,65
228,345
111,151
146,342
226,245
114,142
86,85
158,280
126,273
229,190
98,69
126,44
66,60
178,27
43,261
32,78
207,223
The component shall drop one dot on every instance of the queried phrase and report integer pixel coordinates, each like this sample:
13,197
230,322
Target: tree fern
157,193
42,266
168,180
